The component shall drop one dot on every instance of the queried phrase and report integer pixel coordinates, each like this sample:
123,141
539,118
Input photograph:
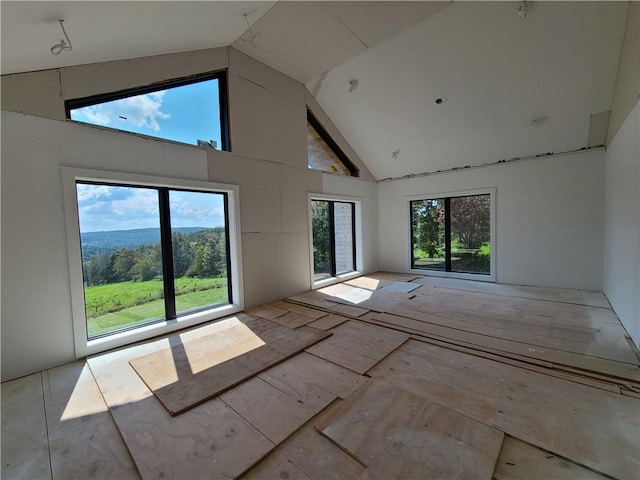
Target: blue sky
105,208
184,114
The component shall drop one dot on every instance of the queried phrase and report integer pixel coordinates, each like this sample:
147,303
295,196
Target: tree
428,218
470,220
124,262
182,254
321,240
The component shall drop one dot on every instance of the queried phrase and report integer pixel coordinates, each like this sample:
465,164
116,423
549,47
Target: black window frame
223,94
166,246
317,126
447,234
332,234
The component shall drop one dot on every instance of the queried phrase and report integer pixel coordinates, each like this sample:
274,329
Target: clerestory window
191,110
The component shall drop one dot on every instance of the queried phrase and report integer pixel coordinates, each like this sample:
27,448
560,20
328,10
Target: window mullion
228,248
353,234
332,236
167,254
447,233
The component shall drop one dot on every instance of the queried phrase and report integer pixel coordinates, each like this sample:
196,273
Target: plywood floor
517,382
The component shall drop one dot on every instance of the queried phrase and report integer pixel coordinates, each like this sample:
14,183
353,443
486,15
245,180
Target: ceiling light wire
252,37
63,46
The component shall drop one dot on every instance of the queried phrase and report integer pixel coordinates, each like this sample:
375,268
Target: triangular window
323,152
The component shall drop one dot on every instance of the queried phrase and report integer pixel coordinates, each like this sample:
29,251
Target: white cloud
139,111
92,192
143,201
191,209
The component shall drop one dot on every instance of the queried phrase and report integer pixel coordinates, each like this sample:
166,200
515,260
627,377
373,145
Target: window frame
491,277
221,76
357,240
85,346
335,148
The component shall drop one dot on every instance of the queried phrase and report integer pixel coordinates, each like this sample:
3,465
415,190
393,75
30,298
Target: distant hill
102,241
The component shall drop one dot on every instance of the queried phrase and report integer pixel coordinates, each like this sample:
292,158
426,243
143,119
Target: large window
452,234
333,225
147,255
191,110
324,153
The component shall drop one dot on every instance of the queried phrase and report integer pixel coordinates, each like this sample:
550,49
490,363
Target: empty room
320,240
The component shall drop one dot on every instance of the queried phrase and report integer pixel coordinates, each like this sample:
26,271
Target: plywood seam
508,354
46,422
423,336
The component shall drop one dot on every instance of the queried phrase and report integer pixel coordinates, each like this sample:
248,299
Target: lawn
125,304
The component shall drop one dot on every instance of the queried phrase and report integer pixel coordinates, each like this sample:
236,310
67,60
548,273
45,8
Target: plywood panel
579,297
368,282
301,309
520,461
25,447
400,287
293,320
84,439
328,322
209,438
349,310
518,349
318,457
598,429
358,346
313,298
273,412
583,330
181,379
267,311
308,379
399,434
275,467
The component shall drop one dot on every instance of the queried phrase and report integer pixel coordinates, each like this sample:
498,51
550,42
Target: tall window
191,110
334,240
324,153
452,234
150,254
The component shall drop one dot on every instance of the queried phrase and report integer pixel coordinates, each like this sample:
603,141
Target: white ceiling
497,71
305,39
103,31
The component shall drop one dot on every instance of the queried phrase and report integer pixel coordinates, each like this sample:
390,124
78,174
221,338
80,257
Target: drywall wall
622,224
549,218
269,163
627,92
36,301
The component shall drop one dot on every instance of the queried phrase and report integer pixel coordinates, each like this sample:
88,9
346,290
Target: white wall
37,327
622,224
550,216
268,162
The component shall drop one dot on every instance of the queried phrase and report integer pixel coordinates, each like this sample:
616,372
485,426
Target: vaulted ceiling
511,84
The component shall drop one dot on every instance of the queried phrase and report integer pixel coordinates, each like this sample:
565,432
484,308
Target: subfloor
420,378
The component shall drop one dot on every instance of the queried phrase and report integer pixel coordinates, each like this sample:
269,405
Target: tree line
200,254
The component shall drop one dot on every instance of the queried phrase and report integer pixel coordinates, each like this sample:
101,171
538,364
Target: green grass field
120,305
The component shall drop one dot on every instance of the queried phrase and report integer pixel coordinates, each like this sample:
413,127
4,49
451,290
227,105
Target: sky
184,114
106,208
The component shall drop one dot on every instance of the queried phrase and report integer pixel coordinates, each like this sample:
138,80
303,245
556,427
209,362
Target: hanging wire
252,37
63,46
